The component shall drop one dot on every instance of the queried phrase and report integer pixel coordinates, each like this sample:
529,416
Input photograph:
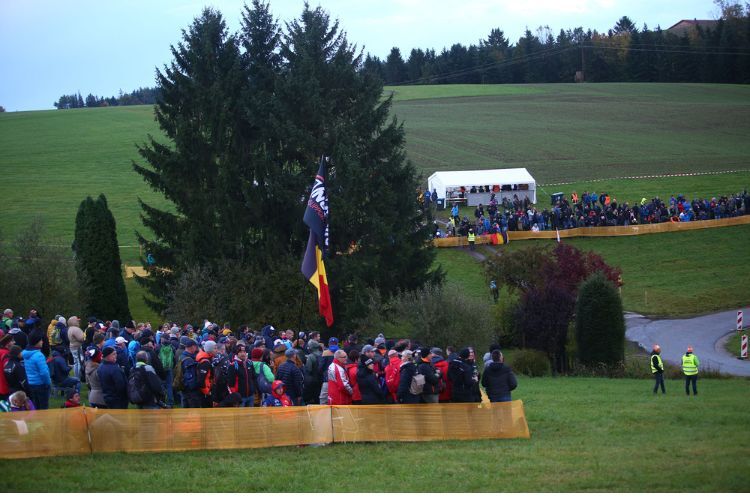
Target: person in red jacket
441,364
277,396
339,389
6,341
393,375
351,373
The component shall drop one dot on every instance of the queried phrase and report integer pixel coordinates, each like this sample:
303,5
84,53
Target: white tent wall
448,185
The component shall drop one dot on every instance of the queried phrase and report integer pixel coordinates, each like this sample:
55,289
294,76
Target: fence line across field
637,230
82,431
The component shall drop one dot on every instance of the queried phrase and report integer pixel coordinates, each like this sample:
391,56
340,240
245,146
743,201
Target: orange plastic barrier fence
664,227
78,431
433,422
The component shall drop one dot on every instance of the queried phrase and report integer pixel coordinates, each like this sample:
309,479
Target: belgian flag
313,266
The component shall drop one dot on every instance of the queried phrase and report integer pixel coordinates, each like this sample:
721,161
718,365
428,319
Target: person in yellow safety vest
472,238
690,365
657,368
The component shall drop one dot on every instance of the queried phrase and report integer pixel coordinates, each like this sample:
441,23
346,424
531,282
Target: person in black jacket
407,371
15,373
369,387
292,377
461,375
241,377
432,380
498,379
113,381
150,386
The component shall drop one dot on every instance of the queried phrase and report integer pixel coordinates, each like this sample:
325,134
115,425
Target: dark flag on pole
316,218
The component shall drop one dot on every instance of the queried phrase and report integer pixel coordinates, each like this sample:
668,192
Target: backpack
262,384
417,384
56,337
136,383
166,356
190,376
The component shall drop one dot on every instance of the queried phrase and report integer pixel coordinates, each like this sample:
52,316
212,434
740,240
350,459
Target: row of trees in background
147,95
718,53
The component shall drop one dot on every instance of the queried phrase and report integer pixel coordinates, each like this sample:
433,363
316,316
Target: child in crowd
72,398
277,396
20,402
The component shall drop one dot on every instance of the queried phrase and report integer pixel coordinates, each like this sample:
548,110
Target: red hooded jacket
445,394
351,372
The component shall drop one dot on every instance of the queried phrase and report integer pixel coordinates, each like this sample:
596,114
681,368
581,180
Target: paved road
705,333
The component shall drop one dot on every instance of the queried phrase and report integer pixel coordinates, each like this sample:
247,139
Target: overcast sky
54,47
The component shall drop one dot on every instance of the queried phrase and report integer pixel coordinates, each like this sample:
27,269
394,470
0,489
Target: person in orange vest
574,197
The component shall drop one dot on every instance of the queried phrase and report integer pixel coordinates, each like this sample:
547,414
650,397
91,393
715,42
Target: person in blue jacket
37,371
113,381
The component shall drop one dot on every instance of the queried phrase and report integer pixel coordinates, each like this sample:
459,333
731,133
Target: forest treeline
140,96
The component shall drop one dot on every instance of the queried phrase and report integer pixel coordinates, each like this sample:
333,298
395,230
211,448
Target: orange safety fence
663,227
78,431
431,422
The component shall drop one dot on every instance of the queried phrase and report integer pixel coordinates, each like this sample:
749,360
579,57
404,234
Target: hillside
53,159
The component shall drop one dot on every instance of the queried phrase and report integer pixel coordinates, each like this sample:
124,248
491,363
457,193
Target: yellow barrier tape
664,227
78,431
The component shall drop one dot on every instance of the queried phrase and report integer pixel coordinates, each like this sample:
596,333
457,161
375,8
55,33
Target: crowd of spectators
588,210
211,366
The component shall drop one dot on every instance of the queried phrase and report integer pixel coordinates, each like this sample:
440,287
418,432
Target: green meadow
563,133
587,435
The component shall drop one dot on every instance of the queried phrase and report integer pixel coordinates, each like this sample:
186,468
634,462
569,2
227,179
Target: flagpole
301,307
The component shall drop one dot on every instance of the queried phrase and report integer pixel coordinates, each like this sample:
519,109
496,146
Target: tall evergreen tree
600,324
98,264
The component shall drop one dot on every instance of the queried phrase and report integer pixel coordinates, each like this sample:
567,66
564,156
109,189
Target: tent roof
483,177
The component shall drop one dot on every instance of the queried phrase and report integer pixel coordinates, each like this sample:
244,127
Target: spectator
460,373
20,402
76,338
367,381
351,373
393,374
72,398
277,396
123,355
241,377
37,371
191,393
166,354
15,373
60,370
113,381
498,379
292,377
6,342
339,389
441,365
432,379
407,371
313,364
147,384
96,396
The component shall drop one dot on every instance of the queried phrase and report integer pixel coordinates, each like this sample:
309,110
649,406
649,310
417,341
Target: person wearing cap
278,356
277,396
381,353
292,376
37,371
333,344
367,380
441,364
312,372
407,371
261,368
148,383
241,379
123,355
690,365
192,397
113,381
93,361
657,368
339,389
204,359
6,342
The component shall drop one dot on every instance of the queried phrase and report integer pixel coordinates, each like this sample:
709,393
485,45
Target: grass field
664,274
586,435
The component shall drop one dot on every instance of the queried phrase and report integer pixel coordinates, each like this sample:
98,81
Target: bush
435,315
530,362
502,317
600,325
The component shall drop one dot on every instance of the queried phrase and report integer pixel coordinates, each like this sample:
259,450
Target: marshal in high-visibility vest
690,365
657,369
657,365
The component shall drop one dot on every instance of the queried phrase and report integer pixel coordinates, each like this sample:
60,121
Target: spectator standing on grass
292,376
241,377
367,380
312,371
37,371
432,377
6,342
339,389
76,338
96,395
14,372
147,382
690,365
460,373
407,371
113,381
657,368
498,379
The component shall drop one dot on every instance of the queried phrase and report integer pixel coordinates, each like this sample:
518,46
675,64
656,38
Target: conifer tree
98,264
600,324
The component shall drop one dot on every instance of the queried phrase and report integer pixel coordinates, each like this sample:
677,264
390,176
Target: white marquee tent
476,186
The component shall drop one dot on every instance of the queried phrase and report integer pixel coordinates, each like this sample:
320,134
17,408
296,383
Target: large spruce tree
600,324
98,264
248,117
